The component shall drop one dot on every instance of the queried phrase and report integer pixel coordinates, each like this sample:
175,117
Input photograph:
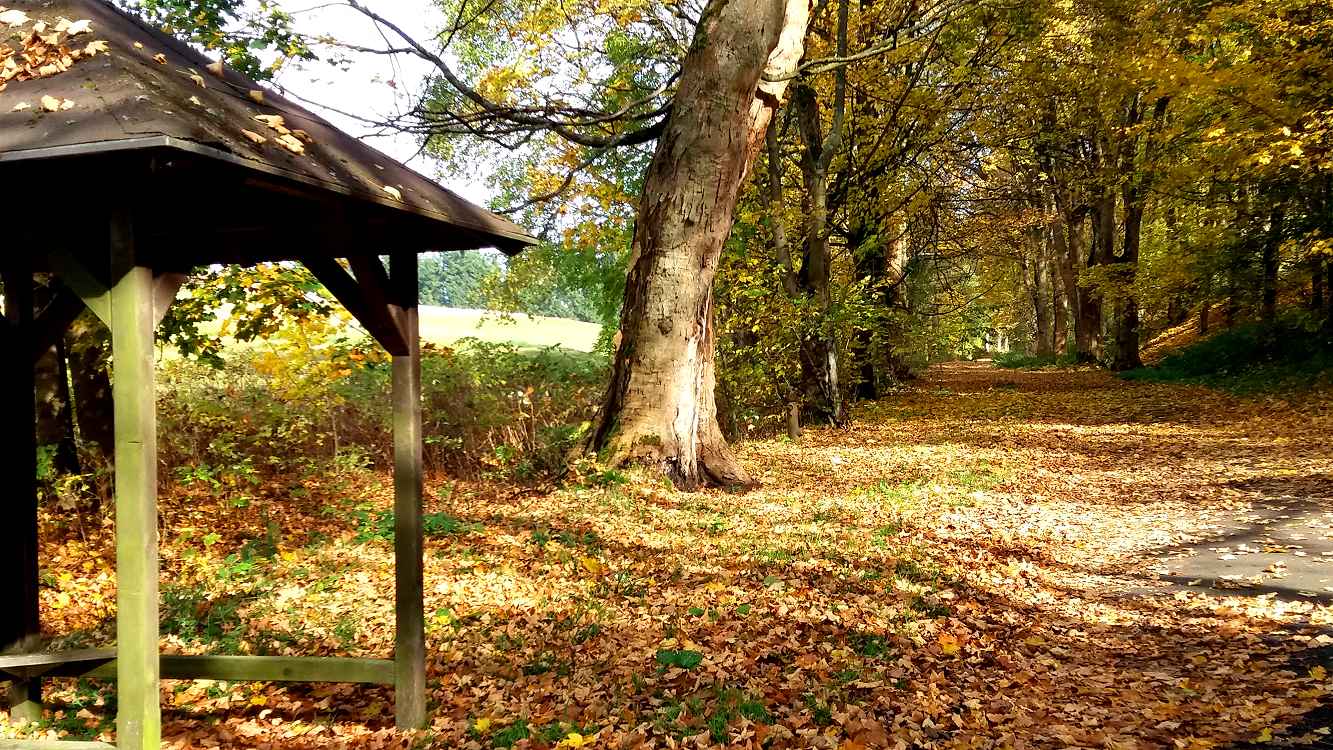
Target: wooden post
20,628
138,722
410,645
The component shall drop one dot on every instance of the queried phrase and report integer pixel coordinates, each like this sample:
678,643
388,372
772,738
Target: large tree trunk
659,408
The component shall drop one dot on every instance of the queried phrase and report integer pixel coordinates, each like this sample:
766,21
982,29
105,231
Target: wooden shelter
126,160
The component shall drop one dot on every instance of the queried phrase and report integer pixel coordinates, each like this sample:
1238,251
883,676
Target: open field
445,325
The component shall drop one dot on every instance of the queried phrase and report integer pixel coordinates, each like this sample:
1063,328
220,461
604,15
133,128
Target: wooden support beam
20,626
410,643
100,664
54,745
351,292
266,669
54,320
139,719
377,290
165,287
93,290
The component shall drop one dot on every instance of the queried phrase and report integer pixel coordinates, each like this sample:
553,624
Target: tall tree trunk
1101,249
659,408
1317,283
1059,314
775,200
1272,245
870,265
1033,275
1064,234
1126,356
819,352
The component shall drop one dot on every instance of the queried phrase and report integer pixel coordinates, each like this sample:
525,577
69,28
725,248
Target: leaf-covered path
991,559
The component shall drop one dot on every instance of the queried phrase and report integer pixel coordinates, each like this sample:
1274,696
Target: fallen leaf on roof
195,100
39,27
393,191
13,17
198,80
303,135
96,47
50,103
160,58
138,45
291,143
257,96
74,28
67,104
21,106
253,136
215,68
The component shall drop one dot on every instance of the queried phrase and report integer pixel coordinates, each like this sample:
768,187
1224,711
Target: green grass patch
1024,361
379,526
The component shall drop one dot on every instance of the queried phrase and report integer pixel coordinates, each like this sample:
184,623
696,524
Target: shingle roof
149,91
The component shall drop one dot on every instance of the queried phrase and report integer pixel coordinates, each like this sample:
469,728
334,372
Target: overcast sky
375,85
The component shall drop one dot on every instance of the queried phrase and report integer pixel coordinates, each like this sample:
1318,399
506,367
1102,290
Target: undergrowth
1292,353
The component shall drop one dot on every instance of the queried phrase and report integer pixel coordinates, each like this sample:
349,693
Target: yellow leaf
257,96
62,600
949,644
593,566
198,80
79,27
258,700
253,136
482,724
50,103
1318,672
1265,736
215,68
393,191
574,739
160,58
292,144
95,47
21,106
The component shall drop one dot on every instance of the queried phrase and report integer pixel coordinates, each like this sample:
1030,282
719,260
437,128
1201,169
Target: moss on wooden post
138,721
410,644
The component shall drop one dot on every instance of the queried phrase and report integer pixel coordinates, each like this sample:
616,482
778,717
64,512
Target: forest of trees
882,184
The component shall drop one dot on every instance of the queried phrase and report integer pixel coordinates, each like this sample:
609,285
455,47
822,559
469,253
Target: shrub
487,408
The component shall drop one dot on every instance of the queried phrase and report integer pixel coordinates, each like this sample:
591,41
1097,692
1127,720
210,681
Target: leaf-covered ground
984,561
